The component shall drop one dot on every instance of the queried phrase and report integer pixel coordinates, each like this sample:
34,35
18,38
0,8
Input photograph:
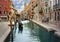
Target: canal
31,32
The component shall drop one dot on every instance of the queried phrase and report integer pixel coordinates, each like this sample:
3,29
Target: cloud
19,1
21,8
19,4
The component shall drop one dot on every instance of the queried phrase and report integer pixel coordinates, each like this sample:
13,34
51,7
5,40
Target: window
5,0
5,12
46,4
5,5
50,16
33,6
41,11
55,16
58,17
0,0
0,8
32,2
0,12
41,1
32,9
0,5
36,5
32,12
46,10
50,3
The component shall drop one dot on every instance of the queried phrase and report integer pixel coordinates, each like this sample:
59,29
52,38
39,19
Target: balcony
57,6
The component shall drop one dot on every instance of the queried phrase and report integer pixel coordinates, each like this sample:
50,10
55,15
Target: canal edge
46,28
2,39
55,32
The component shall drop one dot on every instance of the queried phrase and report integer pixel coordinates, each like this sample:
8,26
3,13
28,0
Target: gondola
20,25
19,21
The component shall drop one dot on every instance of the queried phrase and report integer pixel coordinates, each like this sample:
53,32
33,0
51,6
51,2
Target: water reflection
10,37
20,29
31,32
41,34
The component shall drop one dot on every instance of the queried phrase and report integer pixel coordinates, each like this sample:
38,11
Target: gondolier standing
18,19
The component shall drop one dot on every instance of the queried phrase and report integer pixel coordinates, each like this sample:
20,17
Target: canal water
31,32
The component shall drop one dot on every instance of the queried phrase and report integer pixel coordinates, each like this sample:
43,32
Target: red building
4,7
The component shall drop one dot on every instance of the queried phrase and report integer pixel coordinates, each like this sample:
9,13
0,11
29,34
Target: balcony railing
57,6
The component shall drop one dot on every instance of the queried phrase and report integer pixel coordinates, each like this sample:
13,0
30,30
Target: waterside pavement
4,30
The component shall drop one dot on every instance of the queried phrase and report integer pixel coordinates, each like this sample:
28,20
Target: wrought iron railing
57,6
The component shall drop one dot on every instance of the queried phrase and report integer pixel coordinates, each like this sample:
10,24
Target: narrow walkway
4,31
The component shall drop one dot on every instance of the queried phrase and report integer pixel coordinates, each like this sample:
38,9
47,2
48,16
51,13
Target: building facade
4,7
25,10
32,6
56,12
45,10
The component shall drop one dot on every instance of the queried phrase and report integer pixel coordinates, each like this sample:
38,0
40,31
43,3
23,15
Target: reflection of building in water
20,29
10,37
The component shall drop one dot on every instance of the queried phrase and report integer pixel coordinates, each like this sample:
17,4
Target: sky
19,4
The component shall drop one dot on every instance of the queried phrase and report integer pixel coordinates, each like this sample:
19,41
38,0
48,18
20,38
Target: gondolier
18,19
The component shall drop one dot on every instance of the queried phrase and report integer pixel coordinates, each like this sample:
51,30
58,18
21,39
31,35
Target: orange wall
4,4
